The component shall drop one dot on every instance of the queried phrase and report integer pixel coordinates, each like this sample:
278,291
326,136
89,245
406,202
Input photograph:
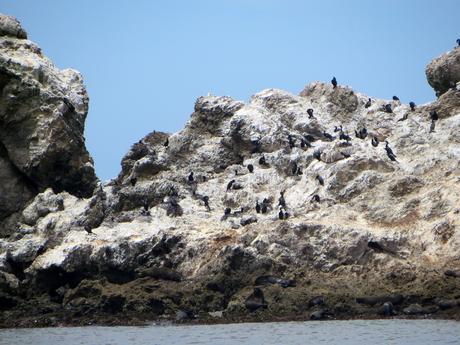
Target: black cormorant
334,82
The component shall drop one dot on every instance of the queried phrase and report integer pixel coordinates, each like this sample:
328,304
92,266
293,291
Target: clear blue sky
145,62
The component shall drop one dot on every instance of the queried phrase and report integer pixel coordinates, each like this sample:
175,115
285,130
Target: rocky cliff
42,115
326,204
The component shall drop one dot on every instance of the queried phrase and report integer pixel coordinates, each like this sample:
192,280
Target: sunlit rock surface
157,240
42,115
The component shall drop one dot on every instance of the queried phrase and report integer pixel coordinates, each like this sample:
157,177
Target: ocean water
369,332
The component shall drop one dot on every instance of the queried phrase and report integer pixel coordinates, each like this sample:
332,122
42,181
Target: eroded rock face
443,73
42,115
259,189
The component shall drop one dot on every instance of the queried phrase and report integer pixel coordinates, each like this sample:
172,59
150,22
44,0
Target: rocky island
329,204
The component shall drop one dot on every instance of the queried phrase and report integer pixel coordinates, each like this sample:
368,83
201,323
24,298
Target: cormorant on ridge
282,202
388,148
334,82
291,141
206,202
374,142
257,206
389,151
344,136
280,214
434,115
368,103
310,113
315,198
320,180
133,181
412,106
251,168
262,161
395,98
388,108
190,177
166,144
458,42
230,184
328,136
362,133
404,118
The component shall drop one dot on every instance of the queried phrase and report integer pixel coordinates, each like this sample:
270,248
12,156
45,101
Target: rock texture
42,115
443,73
259,211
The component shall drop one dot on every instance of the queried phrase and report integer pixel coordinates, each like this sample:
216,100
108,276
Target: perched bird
392,157
291,141
368,103
388,148
389,151
404,118
294,168
334,82
395,98
227,211
315,198
280,214
412,106
434,115
362,133
230,184
206,202
133,181
190,177
310,113
388,108
458,42
251,168
344,136
338,129
281,201
320,180
328,136
88,229
166,142
262,161
258,208
374,142
264,208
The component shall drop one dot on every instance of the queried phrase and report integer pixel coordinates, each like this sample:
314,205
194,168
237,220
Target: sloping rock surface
320,199
42,115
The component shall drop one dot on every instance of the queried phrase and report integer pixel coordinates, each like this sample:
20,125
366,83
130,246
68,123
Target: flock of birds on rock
306,141
172,201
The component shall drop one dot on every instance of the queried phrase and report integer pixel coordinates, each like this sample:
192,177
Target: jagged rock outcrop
443,73
42,115
267,194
